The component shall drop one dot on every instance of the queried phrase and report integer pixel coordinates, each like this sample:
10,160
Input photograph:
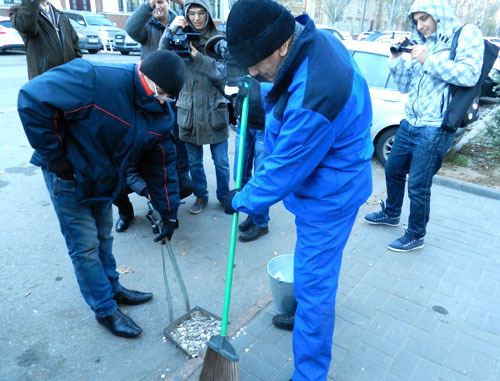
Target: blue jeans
254,154
419,152
221,162
87,231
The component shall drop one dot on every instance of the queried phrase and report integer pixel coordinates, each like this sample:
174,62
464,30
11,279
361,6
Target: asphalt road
47,332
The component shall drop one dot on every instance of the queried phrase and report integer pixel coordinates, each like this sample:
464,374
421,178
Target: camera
401,48
178,42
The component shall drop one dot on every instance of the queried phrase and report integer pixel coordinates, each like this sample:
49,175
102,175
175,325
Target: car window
99,21
375,69
6,24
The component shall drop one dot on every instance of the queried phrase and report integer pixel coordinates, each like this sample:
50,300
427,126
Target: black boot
284,321
253,232
120,324
243,227
123,223
132,297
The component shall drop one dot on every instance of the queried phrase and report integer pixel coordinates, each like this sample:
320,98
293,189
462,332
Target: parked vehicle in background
364,35
388,103
88,38
125,44
493,40
99,23
387,35
10,39
331,30
346,35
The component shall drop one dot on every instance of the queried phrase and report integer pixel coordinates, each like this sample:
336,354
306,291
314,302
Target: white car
9,37
388,103
330,29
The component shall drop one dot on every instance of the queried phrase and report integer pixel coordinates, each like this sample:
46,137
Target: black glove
62,168
228,207
167,230
256,113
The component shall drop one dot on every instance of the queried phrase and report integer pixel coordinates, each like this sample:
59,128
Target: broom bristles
218,368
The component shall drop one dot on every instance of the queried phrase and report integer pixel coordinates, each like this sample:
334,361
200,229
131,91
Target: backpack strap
454,43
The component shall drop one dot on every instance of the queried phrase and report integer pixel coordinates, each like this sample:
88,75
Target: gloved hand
228,206
256,113
62,168
167,230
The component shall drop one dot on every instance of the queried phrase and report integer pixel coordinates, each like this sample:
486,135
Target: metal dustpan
191,331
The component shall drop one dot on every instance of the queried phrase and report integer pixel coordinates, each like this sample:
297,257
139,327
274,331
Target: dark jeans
419,152
221,162
253,157
87,231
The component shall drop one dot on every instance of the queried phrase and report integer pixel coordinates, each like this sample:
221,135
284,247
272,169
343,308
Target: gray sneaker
198,206
380,218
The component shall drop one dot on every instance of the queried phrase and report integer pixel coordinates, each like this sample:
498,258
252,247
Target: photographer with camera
421,142
202,113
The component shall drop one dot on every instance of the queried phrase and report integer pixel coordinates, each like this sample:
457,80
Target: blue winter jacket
100,117
318,117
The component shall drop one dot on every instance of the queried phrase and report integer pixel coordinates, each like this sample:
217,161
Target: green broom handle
234,224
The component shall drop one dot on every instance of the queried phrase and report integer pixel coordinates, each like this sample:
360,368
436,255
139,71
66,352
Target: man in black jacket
84,141
146,25
48,36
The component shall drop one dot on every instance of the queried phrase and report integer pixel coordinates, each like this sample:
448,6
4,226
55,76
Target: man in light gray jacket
420,143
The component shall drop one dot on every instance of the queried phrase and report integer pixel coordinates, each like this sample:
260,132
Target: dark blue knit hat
166,69
256,29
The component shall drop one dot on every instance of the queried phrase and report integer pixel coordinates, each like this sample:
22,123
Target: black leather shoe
132,297
284,321
123,223
243,227
253,232
120,324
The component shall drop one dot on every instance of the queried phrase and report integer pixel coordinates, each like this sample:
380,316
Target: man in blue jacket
318,146
88,122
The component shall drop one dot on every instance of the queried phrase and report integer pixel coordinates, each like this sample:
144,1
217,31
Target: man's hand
178,22
398,42
194,51
167,230
419,53
228,206
152,3
256,113
62,168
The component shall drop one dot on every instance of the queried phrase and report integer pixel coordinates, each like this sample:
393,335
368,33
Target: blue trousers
87,231
221,162
253,157
318,256
418,152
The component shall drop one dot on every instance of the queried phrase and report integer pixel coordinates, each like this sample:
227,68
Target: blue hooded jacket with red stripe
318,144
101,119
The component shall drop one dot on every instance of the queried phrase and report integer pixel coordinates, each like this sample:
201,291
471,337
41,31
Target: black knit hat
256,29
166,69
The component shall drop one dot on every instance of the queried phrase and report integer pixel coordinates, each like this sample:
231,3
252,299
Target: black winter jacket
45,47
102,119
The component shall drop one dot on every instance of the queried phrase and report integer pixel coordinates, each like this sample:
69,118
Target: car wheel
93,51
125,52
384,144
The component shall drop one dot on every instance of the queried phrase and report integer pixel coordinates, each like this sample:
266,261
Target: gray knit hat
256,29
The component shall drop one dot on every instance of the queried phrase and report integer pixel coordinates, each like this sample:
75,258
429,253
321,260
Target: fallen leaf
29,292
182,253
35,311
124,270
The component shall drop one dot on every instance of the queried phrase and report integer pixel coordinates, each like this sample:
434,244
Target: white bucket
280,270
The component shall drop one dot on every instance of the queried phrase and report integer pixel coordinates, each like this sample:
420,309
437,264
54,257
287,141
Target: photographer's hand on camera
178,22
419,53
193,52
398,43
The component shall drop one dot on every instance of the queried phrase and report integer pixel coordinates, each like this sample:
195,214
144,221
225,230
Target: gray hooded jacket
427,84
202,113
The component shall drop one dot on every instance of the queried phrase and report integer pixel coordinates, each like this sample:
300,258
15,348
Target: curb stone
467,187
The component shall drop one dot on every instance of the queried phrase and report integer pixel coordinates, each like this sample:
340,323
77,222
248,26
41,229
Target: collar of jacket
297,54
143,97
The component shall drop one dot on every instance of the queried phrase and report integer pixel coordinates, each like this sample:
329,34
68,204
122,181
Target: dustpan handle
178,274
167,289
234,224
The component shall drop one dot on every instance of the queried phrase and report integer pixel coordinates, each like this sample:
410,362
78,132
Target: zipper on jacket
413,104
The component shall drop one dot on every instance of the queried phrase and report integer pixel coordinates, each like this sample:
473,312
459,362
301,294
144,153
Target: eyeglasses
200,14
161,95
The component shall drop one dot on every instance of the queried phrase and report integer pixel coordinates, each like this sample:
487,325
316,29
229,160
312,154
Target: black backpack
461,98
